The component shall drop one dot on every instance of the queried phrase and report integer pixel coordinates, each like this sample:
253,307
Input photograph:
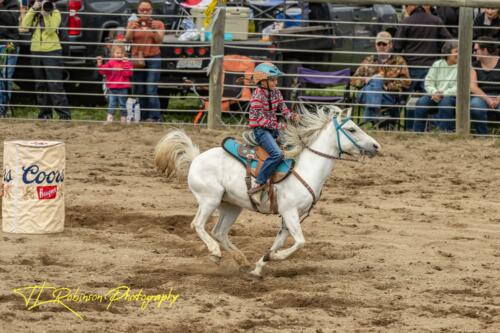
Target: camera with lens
145,23
46,5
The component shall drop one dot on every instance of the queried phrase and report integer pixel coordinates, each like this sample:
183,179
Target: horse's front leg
291,224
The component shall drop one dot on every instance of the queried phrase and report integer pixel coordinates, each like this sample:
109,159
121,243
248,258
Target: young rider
266,101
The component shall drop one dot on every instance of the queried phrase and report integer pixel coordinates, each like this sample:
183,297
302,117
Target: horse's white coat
217,181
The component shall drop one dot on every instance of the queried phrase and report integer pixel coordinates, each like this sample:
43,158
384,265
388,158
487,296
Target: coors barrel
33,187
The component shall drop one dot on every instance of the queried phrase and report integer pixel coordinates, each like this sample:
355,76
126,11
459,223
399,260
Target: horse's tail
174,154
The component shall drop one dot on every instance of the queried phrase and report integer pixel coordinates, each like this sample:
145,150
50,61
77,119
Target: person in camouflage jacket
373,78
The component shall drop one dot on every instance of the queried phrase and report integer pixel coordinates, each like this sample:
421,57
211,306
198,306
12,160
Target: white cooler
33,187
236,21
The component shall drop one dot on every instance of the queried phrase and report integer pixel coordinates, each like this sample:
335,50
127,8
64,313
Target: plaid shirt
260,115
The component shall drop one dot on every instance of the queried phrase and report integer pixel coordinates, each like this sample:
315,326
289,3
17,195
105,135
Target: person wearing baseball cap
380,78
383,37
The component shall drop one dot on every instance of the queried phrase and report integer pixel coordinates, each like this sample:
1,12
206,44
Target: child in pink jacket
117,71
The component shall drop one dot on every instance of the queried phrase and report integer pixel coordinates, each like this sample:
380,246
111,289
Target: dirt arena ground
409,241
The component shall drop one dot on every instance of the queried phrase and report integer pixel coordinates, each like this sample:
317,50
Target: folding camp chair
316,87
268,9
238,72
389,115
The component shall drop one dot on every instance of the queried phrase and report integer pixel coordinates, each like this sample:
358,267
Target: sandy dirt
409,241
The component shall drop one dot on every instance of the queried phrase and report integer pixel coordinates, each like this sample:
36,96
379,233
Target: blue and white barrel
33,187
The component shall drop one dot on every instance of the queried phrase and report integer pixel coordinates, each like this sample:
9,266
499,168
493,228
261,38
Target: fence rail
211,89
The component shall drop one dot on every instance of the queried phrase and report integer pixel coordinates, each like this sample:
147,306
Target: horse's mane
311,124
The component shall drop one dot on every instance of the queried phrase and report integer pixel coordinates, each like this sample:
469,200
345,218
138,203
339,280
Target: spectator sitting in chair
380,77
484,86
441,85
421,33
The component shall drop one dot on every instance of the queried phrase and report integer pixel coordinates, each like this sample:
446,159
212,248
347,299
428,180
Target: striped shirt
260,113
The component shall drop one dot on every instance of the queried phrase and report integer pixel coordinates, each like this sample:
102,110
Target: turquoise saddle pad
231,146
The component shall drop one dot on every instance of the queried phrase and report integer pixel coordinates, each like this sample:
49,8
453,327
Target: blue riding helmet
265,71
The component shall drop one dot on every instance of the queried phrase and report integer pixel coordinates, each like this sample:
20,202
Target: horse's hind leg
228,215
205,210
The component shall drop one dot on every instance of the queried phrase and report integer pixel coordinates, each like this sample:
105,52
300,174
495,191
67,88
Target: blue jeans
446,110
477,103
150,104
118,97
418,73
7,73
416,86
267,139
373,95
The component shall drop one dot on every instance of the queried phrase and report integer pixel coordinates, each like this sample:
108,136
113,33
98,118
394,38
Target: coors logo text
7,176
33,174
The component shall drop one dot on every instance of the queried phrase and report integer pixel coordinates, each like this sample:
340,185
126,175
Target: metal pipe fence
184,85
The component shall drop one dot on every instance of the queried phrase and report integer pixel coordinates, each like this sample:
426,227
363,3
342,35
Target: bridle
339,129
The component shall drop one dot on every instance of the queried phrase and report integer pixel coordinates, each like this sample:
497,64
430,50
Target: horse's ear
302,108
347,112
335,111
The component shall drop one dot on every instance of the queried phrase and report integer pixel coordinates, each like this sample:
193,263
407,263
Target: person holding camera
146,34
44,20
9,49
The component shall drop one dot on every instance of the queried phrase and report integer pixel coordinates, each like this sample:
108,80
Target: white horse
217,179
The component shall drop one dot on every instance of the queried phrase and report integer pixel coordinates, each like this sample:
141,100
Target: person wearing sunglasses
484,87
380,78
145,34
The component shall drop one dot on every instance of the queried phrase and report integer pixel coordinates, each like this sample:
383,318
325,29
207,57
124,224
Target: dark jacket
11,19
480,29
420,34
450,16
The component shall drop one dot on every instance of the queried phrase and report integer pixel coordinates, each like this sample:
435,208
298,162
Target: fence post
464,68
215,79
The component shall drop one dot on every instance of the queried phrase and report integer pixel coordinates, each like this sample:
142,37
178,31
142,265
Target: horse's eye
352,130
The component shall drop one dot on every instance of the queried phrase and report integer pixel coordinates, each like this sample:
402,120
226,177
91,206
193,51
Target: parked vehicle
91,23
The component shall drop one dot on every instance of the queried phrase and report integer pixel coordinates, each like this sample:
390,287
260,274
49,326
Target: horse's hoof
254,276
249,274
215,259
